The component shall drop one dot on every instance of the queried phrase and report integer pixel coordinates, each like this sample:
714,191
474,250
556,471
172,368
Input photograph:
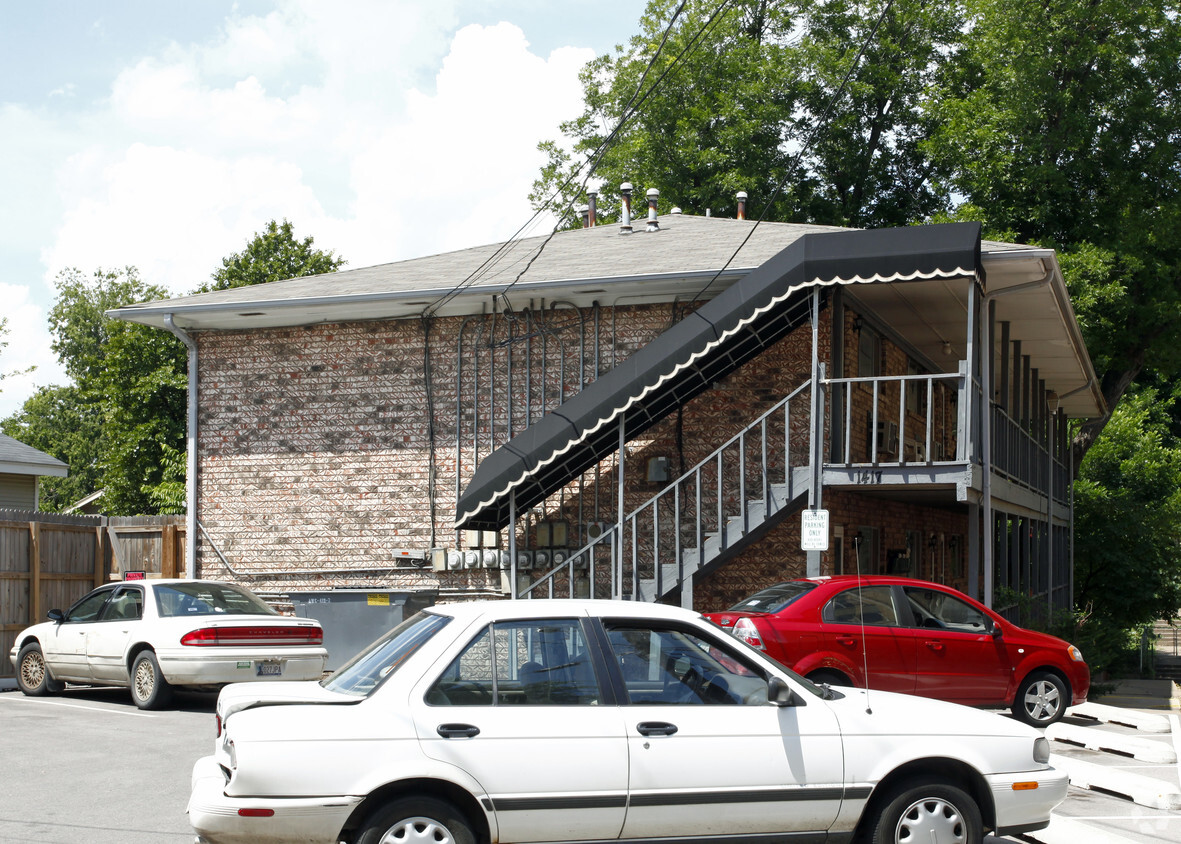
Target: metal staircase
703,518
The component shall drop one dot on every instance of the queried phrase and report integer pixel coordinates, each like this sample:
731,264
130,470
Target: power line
811,136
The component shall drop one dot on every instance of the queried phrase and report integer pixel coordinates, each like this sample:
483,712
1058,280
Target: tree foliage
272,255
1128,516
121,425
60,422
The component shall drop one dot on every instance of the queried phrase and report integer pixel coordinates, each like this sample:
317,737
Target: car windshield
369,669
774,598
203,597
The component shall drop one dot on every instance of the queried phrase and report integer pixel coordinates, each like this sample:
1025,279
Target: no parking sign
814,530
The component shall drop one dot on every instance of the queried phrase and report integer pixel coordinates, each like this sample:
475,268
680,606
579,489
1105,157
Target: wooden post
168,551
100,557
35,609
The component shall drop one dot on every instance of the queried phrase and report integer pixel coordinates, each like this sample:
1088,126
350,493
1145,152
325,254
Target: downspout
986,424
190,451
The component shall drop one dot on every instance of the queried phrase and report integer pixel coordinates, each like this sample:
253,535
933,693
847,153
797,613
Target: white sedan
552,721
152,635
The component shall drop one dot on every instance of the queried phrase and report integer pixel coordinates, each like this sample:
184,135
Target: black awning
705,346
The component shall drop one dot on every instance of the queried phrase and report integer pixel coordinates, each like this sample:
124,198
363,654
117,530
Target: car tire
149,689
832,678
929,811
417,819
32,675
1041,699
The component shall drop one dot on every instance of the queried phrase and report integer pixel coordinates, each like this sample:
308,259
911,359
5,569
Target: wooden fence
49,561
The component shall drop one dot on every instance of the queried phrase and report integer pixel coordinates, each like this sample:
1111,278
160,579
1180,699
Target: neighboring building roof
16,458
678,261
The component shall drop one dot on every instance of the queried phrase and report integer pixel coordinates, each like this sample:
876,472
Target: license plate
269,668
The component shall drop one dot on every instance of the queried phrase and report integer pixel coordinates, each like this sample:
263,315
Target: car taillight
745,630
218,717
253,635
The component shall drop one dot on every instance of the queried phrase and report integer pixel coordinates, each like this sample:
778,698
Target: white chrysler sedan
152,635
554,721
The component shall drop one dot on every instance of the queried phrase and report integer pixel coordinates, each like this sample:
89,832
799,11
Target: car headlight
1041,750
1074,653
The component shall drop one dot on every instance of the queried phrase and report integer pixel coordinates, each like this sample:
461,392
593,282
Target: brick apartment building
450,426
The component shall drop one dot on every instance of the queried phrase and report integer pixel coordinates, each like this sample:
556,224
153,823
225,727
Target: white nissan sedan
554,721
152,635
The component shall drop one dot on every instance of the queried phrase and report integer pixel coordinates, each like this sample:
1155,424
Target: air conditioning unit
888,437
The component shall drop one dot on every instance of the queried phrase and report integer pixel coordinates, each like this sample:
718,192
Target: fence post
168,551
34,572
100,556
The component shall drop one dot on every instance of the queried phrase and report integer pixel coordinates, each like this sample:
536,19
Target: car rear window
774,598
204,597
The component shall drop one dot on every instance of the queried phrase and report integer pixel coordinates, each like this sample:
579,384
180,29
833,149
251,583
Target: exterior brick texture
316,466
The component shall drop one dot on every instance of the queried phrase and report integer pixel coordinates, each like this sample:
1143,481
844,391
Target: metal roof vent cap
653,199
741,197
625,222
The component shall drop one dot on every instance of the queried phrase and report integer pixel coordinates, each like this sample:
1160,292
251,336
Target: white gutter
190,451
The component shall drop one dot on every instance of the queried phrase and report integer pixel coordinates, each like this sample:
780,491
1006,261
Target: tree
741,101
1059,123
272,255
132,377
63,424
3,344
1128,516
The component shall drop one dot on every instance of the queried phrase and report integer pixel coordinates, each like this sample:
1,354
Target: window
521,663
89,607
127,604
203,597
868,605
916,391
677,667
939,610
369,669
869,353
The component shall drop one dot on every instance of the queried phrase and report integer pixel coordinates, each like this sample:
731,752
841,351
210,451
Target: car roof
498,610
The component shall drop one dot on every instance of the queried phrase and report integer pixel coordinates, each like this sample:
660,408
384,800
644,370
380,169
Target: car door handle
656,728
458,730
935,646
847,641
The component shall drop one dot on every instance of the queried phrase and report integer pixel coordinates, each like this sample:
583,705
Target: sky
163,134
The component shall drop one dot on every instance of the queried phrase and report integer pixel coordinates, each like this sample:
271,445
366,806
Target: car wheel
415,820
32,675
832,678
1041,699
927,811
149,689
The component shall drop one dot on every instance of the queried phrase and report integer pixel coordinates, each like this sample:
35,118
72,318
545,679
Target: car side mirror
994,630
57,615
780,693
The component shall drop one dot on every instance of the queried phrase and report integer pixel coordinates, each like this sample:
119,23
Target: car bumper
216,819
1020,807
204,666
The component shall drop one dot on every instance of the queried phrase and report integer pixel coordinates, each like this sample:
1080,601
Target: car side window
89,607
521,663
678,667
935,609
127,604
868,605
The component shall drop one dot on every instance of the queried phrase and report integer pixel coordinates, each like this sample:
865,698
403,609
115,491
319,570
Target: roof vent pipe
653,199
625,222
676,211
584,212
591,199
741,205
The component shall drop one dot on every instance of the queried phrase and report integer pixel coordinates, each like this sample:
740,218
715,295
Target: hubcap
32,670
931,821
417,831
1042,700
145,680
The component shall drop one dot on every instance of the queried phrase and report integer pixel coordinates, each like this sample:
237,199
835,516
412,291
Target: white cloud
373,126
27,336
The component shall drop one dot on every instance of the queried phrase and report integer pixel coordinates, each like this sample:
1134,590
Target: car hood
239,696
861,710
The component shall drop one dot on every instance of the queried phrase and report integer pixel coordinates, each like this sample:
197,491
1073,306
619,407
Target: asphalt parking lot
86,765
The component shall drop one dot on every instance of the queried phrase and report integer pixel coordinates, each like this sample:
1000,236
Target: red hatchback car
911,636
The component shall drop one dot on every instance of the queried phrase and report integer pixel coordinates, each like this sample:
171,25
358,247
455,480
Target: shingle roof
16,458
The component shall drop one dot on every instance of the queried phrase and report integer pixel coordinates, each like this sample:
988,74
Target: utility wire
811,136
588,166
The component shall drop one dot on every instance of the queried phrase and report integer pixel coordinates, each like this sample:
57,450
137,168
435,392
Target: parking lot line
34,701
